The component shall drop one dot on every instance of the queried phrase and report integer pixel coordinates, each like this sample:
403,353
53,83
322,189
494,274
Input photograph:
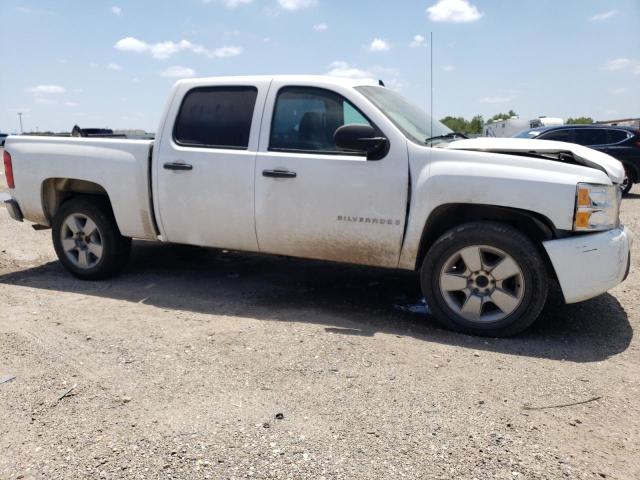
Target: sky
112,63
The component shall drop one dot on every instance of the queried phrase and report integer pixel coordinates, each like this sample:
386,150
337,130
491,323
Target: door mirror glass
361,138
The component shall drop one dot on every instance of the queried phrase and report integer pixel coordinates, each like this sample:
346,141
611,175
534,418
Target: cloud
455,11
293,5
235,3
418,41
321,27
178,72
224,52
164,50
70,104
345,70
598,17
379,45
116,10
114,66
448,68
46,89
131,44
618,64
626,64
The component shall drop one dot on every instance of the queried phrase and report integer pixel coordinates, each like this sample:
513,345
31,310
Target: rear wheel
87,240
484,278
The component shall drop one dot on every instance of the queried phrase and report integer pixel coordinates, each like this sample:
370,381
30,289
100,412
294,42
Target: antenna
431,82
20,117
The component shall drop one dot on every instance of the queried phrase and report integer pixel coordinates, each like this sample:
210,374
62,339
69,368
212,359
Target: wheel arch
56,191
633,169
535,226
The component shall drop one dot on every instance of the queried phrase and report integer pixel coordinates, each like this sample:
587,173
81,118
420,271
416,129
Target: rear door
591,137
314,200
204,165
620,145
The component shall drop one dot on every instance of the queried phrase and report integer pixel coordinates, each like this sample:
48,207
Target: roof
326,79
577,127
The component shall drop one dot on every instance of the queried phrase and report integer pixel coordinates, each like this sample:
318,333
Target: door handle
177,166
279,174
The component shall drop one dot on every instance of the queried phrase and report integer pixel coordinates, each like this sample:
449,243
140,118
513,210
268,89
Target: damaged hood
551,150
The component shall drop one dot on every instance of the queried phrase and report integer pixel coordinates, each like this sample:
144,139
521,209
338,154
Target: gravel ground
205,364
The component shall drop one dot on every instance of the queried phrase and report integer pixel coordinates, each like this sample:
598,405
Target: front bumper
14,210
588,265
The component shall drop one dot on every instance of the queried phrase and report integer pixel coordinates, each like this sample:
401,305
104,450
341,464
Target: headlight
597,207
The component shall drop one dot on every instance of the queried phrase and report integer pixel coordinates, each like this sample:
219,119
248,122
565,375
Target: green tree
476,124
457,124
503,116
462,125
580,121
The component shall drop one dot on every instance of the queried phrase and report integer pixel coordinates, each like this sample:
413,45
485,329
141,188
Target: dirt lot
181,365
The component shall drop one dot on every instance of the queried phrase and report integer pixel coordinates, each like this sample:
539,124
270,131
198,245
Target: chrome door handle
279,174
177,166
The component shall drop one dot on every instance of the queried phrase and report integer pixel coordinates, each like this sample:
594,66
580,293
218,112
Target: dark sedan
622,143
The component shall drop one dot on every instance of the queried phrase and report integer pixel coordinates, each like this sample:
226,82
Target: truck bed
119,166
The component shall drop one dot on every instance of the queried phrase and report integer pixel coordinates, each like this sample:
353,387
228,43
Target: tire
511,273
100,250
627,185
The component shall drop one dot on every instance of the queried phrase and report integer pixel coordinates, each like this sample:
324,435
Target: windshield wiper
447,135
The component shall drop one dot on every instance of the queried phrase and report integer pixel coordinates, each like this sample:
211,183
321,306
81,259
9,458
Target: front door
204,166
314,200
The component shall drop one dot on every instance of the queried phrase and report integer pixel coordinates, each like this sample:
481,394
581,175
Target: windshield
411,120
528,134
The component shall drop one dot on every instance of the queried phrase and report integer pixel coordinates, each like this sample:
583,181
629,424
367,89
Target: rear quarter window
617,136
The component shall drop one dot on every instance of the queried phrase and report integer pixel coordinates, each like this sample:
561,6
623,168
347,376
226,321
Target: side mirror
361,138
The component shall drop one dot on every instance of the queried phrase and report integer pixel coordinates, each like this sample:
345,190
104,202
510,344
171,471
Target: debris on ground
6,378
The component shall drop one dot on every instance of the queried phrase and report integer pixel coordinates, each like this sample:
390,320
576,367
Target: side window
591,136
216,117
617,136
557,135
306,118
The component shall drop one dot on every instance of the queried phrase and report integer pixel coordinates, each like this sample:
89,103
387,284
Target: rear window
216,117
591,136
617,136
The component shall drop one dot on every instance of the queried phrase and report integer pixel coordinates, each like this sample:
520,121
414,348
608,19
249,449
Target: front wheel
627,183
484,278
87,240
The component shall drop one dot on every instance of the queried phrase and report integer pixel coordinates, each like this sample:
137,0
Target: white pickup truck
338,170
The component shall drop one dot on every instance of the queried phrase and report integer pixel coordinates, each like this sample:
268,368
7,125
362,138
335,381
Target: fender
445,176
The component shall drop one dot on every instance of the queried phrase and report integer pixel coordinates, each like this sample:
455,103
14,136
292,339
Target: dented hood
585,156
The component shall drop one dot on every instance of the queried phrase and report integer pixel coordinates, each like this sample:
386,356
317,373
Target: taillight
8,169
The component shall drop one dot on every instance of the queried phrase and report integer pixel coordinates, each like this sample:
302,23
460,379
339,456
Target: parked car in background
3,137
622,143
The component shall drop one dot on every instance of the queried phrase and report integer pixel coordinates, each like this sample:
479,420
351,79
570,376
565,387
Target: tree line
477,123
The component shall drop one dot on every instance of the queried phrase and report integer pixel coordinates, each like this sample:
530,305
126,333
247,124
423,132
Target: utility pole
20,117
